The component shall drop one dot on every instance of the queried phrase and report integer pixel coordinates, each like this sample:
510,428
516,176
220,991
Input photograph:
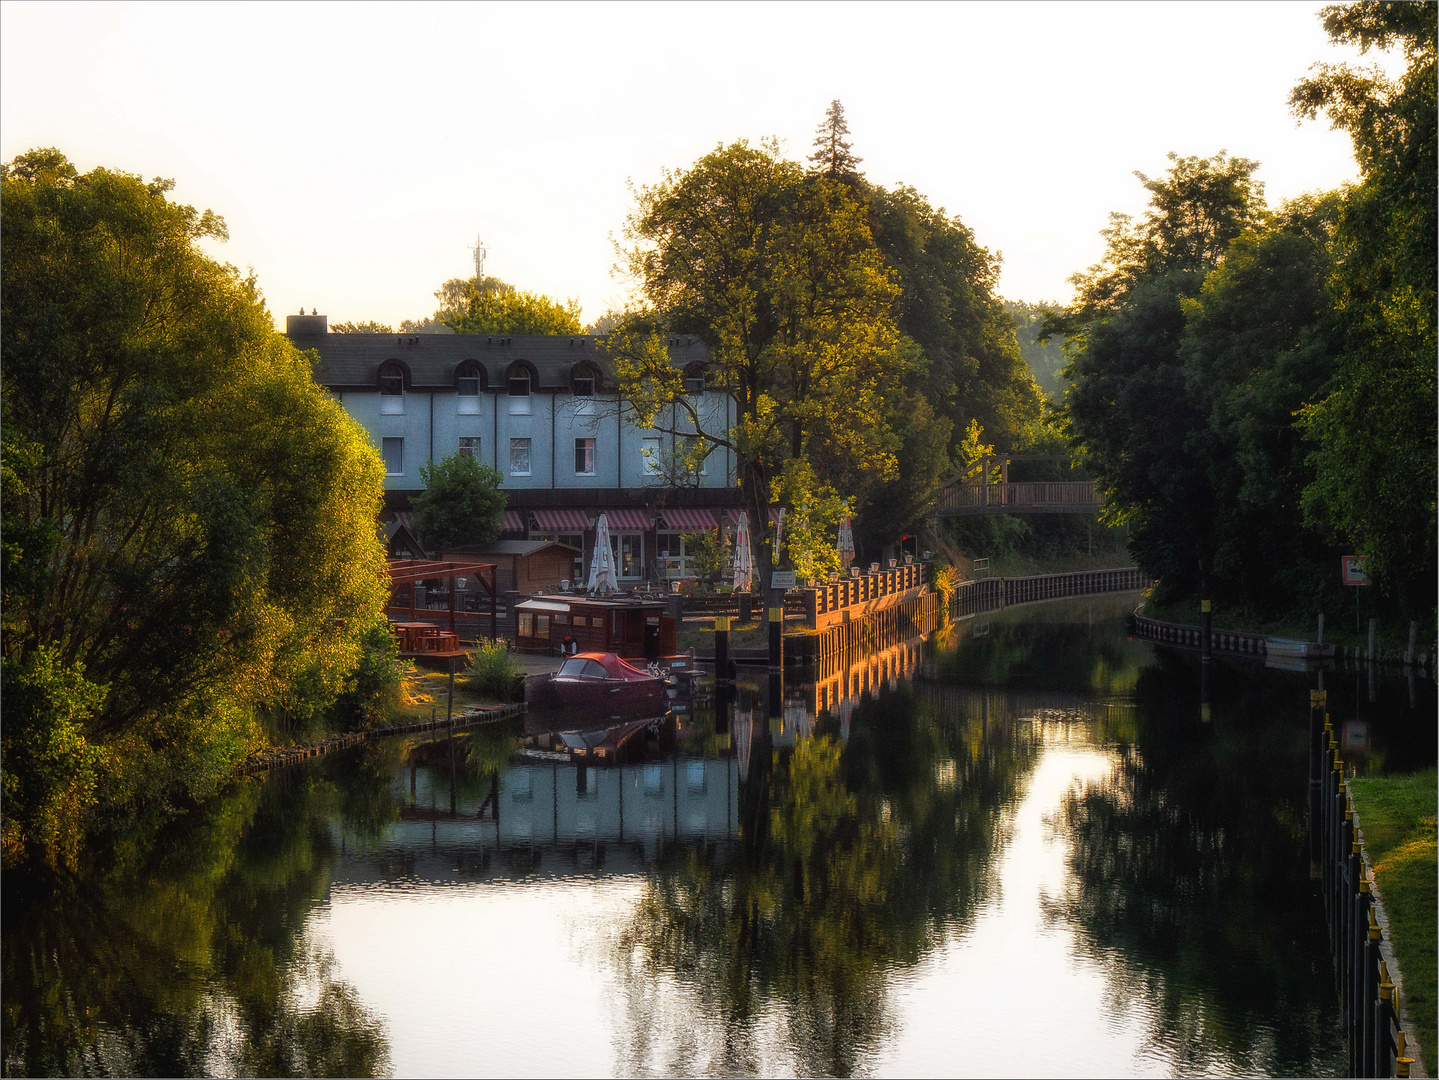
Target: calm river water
1015,850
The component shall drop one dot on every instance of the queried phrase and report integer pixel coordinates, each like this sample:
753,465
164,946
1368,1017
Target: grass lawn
426,691
1398,817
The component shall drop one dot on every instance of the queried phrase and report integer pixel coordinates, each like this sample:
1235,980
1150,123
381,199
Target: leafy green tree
462,503
492,307
189,519
777,272
972,367
833,156
1044,357
1260,341
1375,430
1128,407
369,327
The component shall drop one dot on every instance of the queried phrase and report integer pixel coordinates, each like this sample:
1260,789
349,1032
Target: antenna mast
480,252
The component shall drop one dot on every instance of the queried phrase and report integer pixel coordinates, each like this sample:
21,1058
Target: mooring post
1413,640
1373,627
1206,618
721,650
776,638
450,700
1316,759
1321,629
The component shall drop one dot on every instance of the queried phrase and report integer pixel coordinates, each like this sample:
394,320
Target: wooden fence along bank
1368,996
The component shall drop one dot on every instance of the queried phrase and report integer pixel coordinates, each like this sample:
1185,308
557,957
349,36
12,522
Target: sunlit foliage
189,537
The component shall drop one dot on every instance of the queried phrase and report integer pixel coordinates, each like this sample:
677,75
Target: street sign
1318,699
782,579
1353,570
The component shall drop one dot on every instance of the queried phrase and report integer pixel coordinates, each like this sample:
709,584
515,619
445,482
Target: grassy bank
1398,817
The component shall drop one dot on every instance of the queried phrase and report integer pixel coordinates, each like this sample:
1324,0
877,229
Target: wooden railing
1055,497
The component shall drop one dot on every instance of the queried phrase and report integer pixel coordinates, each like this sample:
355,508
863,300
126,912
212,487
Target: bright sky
356,151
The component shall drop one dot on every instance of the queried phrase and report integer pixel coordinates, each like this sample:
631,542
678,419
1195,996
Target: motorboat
602,684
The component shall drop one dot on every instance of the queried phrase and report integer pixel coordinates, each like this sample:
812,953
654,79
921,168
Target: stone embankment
281,756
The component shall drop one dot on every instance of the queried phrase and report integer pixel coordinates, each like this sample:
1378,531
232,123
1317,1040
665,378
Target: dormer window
583,382
392,389
467,388
694,380
518,382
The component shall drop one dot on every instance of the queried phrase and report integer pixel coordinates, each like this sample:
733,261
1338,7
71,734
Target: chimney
306,326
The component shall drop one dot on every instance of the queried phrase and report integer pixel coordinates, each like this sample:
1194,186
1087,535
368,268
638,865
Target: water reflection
1018,850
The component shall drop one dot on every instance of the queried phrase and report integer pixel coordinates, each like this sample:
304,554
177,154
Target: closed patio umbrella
602,566
743,560
846,542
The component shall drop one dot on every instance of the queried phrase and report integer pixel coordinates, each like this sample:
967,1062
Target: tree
493,307
1376,430
1123,333
462,503
777,273
1045,358
832,155
369,327
188,535
972,366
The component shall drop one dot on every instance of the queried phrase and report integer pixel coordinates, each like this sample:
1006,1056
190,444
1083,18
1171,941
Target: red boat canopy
615,668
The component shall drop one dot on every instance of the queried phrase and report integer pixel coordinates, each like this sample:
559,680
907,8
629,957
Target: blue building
542,411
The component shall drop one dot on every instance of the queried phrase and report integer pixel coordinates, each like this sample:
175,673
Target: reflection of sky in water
497,978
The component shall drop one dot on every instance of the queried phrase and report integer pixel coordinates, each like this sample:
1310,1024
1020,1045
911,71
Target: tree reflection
188,954
1190,869
852,859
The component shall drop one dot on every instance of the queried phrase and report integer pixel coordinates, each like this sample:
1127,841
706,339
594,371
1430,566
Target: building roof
432,361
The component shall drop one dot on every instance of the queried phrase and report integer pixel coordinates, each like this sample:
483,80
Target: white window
392,390
673,559
467,387
584,457
394,454
519,384
629,552
583,387
695,445
469,446
650,454
519,457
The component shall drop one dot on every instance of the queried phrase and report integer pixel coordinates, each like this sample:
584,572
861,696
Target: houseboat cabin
630,628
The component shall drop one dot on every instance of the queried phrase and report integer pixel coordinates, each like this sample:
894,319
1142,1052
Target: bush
373,688
493,672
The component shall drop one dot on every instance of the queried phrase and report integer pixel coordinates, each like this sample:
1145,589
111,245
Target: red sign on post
1353,570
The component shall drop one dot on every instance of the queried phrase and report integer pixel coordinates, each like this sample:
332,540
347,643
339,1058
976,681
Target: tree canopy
462,503
777,272
189,538
493,307
1375,429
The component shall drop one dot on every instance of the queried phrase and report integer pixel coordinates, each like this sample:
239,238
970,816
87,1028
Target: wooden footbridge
977,493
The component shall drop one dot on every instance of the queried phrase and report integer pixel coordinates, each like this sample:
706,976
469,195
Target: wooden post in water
1206,618
1373,628
721,650
776,638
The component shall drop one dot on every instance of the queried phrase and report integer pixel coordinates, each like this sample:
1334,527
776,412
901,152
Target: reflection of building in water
554,818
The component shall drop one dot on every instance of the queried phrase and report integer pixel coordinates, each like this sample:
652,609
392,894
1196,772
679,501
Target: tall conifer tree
833,155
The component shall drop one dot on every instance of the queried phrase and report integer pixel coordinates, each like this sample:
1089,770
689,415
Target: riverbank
1398,820
1391,640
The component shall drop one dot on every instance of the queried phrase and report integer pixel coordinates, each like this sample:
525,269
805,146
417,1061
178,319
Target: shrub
493,672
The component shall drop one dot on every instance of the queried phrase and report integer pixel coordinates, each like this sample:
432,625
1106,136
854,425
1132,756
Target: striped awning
698,519
627,519
562,520
514,521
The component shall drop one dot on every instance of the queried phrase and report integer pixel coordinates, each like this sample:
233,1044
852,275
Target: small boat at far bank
601,684
1294,649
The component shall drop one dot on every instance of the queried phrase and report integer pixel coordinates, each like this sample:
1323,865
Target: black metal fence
1369,1000
992,594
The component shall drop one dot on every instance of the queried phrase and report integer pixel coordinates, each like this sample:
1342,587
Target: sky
356,151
